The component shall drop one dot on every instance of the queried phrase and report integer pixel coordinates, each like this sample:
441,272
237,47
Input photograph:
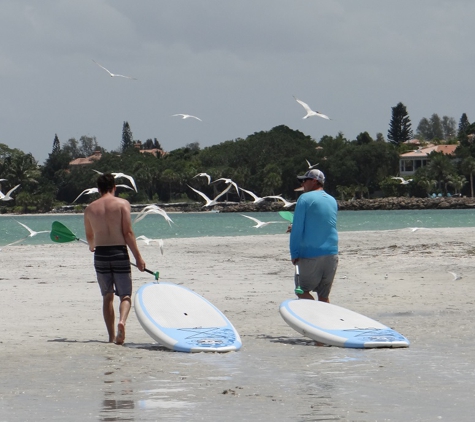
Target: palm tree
457,182
468,167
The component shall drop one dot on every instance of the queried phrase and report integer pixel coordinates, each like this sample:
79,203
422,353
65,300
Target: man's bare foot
120,338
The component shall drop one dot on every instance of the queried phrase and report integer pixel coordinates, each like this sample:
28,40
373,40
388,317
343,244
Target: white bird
152,209
403,181
261,223
112,75
148,241
90,191
117,175
228,181
413,229
287,204
310,112
456,276
32,232
187,116
131,179
7,196
257,199
204,175
210,202
310,166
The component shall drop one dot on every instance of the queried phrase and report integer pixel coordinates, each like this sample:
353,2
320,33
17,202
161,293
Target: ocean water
234,224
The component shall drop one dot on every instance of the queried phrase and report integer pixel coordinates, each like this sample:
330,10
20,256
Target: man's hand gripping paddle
61,234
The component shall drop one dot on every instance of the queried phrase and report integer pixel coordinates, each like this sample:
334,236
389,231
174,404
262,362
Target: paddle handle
147,271
298,290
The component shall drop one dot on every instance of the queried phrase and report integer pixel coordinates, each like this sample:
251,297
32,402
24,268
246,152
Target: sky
235,65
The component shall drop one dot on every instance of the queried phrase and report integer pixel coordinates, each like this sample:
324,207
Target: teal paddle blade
287,215
60,233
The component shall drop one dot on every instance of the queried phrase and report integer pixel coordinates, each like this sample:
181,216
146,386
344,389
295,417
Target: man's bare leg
305,295
124,310
109,315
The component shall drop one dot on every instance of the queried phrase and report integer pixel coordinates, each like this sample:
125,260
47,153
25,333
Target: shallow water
233,224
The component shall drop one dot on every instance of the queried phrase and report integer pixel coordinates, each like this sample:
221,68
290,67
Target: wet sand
56,363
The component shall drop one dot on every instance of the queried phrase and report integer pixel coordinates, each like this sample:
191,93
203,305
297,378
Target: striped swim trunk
113,271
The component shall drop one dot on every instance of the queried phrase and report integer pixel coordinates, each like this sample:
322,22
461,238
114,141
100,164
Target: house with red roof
409,162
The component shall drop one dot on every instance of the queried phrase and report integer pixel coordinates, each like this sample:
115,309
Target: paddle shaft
68,236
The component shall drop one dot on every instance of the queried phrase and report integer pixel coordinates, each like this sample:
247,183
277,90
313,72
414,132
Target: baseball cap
313,174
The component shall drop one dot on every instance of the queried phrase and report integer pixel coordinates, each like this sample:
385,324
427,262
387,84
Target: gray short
113,271
316,274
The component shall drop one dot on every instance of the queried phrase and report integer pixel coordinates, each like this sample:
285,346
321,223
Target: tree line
265,162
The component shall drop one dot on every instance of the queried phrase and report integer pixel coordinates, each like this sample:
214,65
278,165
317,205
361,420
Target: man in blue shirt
314,238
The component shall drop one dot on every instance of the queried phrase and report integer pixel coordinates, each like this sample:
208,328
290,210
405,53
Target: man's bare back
106,217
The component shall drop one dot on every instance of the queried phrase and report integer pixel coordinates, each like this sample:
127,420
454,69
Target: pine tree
463,124
127,138
56,145
400,125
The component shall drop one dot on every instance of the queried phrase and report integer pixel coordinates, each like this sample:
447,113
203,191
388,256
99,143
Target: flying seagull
148,241
257,199
210,202
90,191
260,223
7,196
228,181
287,204
204,175
32,233
456,276
152,209
310,112
112,75
310,166
403,181
187,116
117,175
131,179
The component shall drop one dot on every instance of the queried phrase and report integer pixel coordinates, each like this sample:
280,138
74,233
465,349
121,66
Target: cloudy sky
236,65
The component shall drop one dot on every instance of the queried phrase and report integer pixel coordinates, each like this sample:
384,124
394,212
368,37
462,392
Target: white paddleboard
337,326
182,320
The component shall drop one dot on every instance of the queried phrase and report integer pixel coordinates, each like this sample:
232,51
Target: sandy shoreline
56,364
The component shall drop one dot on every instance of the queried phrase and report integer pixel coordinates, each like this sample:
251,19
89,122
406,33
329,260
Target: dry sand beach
56,364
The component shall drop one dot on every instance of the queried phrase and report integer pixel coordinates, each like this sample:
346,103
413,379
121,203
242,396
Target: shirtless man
109,231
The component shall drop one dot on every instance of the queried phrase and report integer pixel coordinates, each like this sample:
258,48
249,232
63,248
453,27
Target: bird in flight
7,196
210,202
228,181
187,116
311,166
455,276
117,175
152,209
112,75
310,112
257,199
403,181
260,223
204,175
131,179
148,241
32,233
287,204
90,191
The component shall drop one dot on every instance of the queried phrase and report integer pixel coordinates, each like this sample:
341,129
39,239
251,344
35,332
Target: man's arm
129,236
89,232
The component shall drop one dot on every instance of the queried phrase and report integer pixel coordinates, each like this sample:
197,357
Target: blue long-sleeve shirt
314,230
